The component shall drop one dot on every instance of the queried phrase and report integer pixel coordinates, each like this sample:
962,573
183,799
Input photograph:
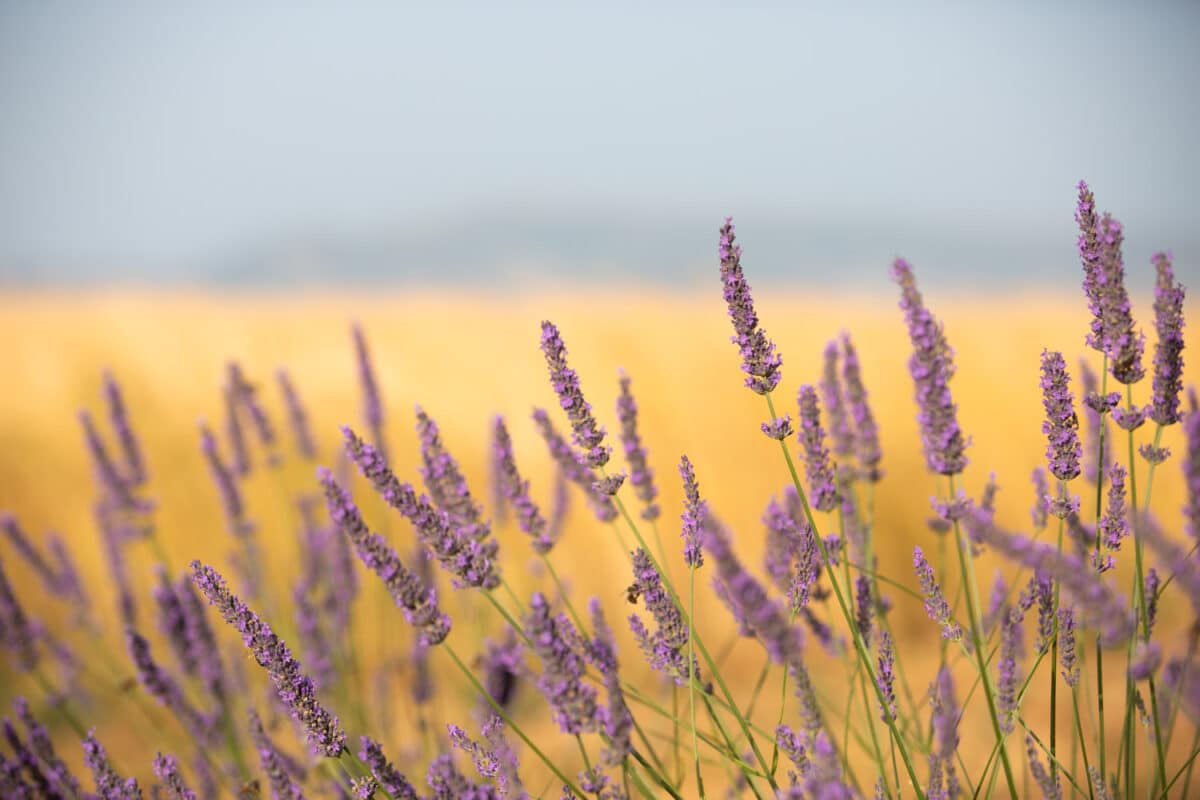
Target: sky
453,142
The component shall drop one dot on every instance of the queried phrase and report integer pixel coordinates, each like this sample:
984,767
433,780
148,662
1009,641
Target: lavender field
430,546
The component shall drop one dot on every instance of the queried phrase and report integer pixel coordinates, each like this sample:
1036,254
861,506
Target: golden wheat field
465,358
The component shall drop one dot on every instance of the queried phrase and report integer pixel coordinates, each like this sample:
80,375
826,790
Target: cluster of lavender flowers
202,709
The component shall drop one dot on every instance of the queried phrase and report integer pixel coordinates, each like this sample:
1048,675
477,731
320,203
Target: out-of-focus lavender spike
615,718
448,783
50,579
573,469
508,781
666,647
13,784
516,489
1114,525
760,362
371,400
836,409
294,688
1191,467
1047,783
114,553
224,478
1066,645
935,602
1041,490
818,467
1093,596
389,778
281,783
297,415
40,782
417,601
996,603
314,644
112,483
16,633
695,510
862,607
1007,676
1042,587
485,761
1173,557
109,784
499,498
234,434
502,665
1168,380
1122,346
118,416
866,430
1095,422
202,649
163,688
41,746
70,585
1152,584
247,397
572,702
932,367
1146,658
167,770
641,475
1061,426
824,779
587,433
445,482
885,679
172,621
945,713
560,506
471,562
753,606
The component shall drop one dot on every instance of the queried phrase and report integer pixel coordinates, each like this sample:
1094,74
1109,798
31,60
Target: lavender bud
273,764
386,775
615,718
15,631
573,468
109,784
1154,455
516,490
641,476
609,484
694,511
1066,645
446,483
572,701
236,437
666,648
760,362
1119,342
115,488
817,466
1191,468
588,435
932,367
1151,596
1041,489
1008,679
163,688
1047,784
1146,658
1168,353
862,603
935,602
1129,419
885,679
118,416
1061,426
372,404
51,581
1114,525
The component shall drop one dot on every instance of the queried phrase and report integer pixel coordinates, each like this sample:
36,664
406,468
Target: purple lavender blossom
885,679
1152,454
572,702
40,745
134,467
372,404
779,428
1042,588
227,486
1089,255
1047,782
234,435
417,601
485,761
16,634
824,779
1061,426
1191,467
945,714
641,475
935,602
1168,353
1151,586
167,770
615,719
1146,658
588,435
760,362
202,649
51,581
818,467
470,561
171,620
932,367
297,415
117,491
516,489
1096,423
39,782
573,468
834,399
450,784
1122,346
296,690
866,430
1041,491
1007,678
1173,557
114,553
694,511
752,606
281,783
109,784
163,688
1066,645
445,482
665,648
502,666
1114,525
315,645
387,776
863,608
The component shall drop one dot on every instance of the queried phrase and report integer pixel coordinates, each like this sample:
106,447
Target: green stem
1087,767
1054,662
1099,512
692,678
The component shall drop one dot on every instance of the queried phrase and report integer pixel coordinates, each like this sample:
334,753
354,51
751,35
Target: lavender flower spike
760,362
110,785
641,475
1066,645
1007,679
572,701
306,446
51,581
866,430
446,483
886,678
282,785
386,775
1061,426
372,404
573,468
163,688
935,602
694,511
42,746
471,562
1116,335
415,599
588,435
167,770
16,634
1168,353
113,483
1114,525
118,416
296,691
516,489
666,648
834,398
615,717
932,367
231,495
818,467
1089,255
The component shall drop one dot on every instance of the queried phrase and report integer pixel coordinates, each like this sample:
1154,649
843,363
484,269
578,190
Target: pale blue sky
203,141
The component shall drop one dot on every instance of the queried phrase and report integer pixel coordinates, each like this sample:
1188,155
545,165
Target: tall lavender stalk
641,476
297,415
372,403
760,362
445,482
587,433
866,430
818,467
131,450
516,490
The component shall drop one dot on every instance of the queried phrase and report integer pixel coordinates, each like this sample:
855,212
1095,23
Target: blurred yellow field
465,358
